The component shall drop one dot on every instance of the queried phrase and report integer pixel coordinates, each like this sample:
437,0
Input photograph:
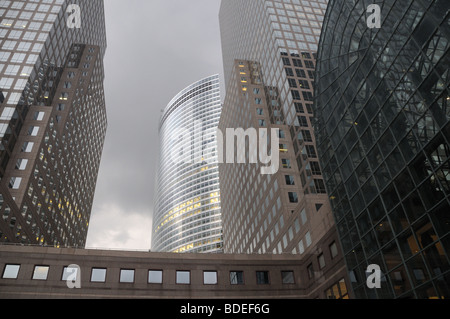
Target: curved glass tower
187,216
383,131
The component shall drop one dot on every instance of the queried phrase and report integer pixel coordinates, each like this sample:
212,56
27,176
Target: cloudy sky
155,49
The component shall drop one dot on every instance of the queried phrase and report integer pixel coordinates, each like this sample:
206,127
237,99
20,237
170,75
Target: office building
269,50
187,217
53,119
383,136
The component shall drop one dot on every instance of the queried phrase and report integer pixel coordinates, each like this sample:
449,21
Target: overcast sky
155,49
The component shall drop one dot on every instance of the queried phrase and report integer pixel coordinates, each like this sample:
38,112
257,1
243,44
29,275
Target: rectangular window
14,182
127,276
286,163
310,271
40,272
33,130
321,260
287,277
11,272
237,277
333,250
293,197
183,278
262,277
210,277
21,164
155,277
69,272
98,275
289,180
27,147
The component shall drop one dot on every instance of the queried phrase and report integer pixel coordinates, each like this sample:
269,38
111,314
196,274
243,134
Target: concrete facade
286,275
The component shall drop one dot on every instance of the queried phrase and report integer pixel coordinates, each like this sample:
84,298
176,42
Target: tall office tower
383,109
269,50
187,217
53,119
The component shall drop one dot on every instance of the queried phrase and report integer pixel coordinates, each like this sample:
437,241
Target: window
259,111
304,84
237,277
287,277
310,271
333,250
33,130
183,277
15,182
303,121
262,277
40,272
293,197
69,272
27,147
315,168
210,277
38,116
337,291
321,260
127,276
286,163
21,164
98,275
155,277
289,180
11,272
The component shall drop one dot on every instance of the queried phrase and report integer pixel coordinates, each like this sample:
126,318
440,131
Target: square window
127,276
183,278
287,277
210,277
69,271
262,277
237,277
11,272
98,275
155,277
40,272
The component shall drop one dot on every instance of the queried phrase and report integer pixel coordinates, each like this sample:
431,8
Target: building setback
187,216
383,133
269,50
53,119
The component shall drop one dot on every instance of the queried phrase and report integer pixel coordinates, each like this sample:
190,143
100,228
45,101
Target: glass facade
53,119
383,133
187,215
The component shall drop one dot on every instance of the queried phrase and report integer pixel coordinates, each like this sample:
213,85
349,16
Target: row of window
183,277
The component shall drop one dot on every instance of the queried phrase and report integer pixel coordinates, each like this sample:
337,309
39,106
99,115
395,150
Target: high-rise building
383,133
269,49
53,119
187,215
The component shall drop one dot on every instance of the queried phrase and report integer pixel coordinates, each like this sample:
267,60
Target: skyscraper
269,49
187,215
53,119
383,135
